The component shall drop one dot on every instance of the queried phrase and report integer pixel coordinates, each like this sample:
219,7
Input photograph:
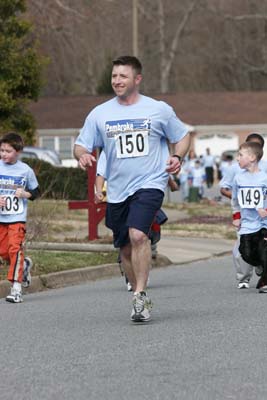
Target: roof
216,108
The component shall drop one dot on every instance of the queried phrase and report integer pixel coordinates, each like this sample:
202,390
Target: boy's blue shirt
13,176
228,179
248,188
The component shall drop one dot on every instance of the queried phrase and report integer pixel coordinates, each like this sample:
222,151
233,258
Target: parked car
41,153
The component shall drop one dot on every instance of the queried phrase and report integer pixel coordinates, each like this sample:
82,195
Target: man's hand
99,197
173,165
86,160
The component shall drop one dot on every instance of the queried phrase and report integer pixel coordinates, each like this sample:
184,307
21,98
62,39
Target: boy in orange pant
18,183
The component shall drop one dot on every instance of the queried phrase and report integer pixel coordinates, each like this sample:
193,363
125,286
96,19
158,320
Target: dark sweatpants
209,176
253,249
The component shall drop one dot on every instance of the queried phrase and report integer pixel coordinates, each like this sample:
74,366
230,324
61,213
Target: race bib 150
132,144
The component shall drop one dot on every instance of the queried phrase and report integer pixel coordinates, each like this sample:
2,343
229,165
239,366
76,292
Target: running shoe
26,280
129,287
14,296
243,285
260,283
263,289
258,270
141,307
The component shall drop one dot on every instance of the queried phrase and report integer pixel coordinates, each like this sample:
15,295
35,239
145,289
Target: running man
134,131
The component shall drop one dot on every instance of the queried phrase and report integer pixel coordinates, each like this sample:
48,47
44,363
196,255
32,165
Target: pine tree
20,70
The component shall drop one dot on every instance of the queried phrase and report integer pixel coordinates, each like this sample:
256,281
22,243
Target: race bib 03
14,205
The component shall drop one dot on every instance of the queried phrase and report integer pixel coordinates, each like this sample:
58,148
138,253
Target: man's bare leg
126,258
136,259
140,258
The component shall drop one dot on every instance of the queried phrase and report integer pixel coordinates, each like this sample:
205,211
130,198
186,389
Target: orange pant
12,238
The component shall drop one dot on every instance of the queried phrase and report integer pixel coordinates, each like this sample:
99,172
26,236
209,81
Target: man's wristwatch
179,158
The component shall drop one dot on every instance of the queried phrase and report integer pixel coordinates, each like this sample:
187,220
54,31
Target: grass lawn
207,219
52,221
45,262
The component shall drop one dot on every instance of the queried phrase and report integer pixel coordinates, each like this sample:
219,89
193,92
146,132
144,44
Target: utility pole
135,28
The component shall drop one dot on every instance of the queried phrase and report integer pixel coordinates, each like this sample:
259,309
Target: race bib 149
251,197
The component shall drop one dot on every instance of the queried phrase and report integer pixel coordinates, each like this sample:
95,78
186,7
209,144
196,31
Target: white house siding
61,140
220,138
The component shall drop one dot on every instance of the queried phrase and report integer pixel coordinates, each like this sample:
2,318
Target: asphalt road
206,341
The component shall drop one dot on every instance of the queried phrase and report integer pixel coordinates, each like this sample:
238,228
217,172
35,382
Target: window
65,147
48,142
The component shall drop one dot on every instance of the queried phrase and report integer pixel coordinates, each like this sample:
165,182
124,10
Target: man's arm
99,186
178,149
181,148
78,151
84,158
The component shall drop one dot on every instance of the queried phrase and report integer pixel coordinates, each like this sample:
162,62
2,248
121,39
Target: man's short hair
14,140
129,60
255,137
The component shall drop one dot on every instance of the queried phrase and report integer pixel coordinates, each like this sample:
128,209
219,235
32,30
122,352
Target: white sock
17,286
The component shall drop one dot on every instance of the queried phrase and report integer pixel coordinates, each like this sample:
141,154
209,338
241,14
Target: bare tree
167,57
78,38
193,45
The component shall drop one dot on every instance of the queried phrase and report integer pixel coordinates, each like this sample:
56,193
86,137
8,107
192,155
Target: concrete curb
76,276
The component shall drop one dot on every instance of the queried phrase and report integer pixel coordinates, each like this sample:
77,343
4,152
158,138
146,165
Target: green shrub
59,183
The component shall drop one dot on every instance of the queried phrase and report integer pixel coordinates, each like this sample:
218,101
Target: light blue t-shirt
249,192
228,179
12,177
134,138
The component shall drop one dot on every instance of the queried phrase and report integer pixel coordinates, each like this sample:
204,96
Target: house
220,121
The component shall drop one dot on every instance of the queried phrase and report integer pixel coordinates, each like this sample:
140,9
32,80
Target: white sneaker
129,287
142,306
14,296
243,285
26,280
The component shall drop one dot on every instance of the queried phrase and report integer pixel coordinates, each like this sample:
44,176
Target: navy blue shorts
137,211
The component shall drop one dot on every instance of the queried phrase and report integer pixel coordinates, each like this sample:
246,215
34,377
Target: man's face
124,80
